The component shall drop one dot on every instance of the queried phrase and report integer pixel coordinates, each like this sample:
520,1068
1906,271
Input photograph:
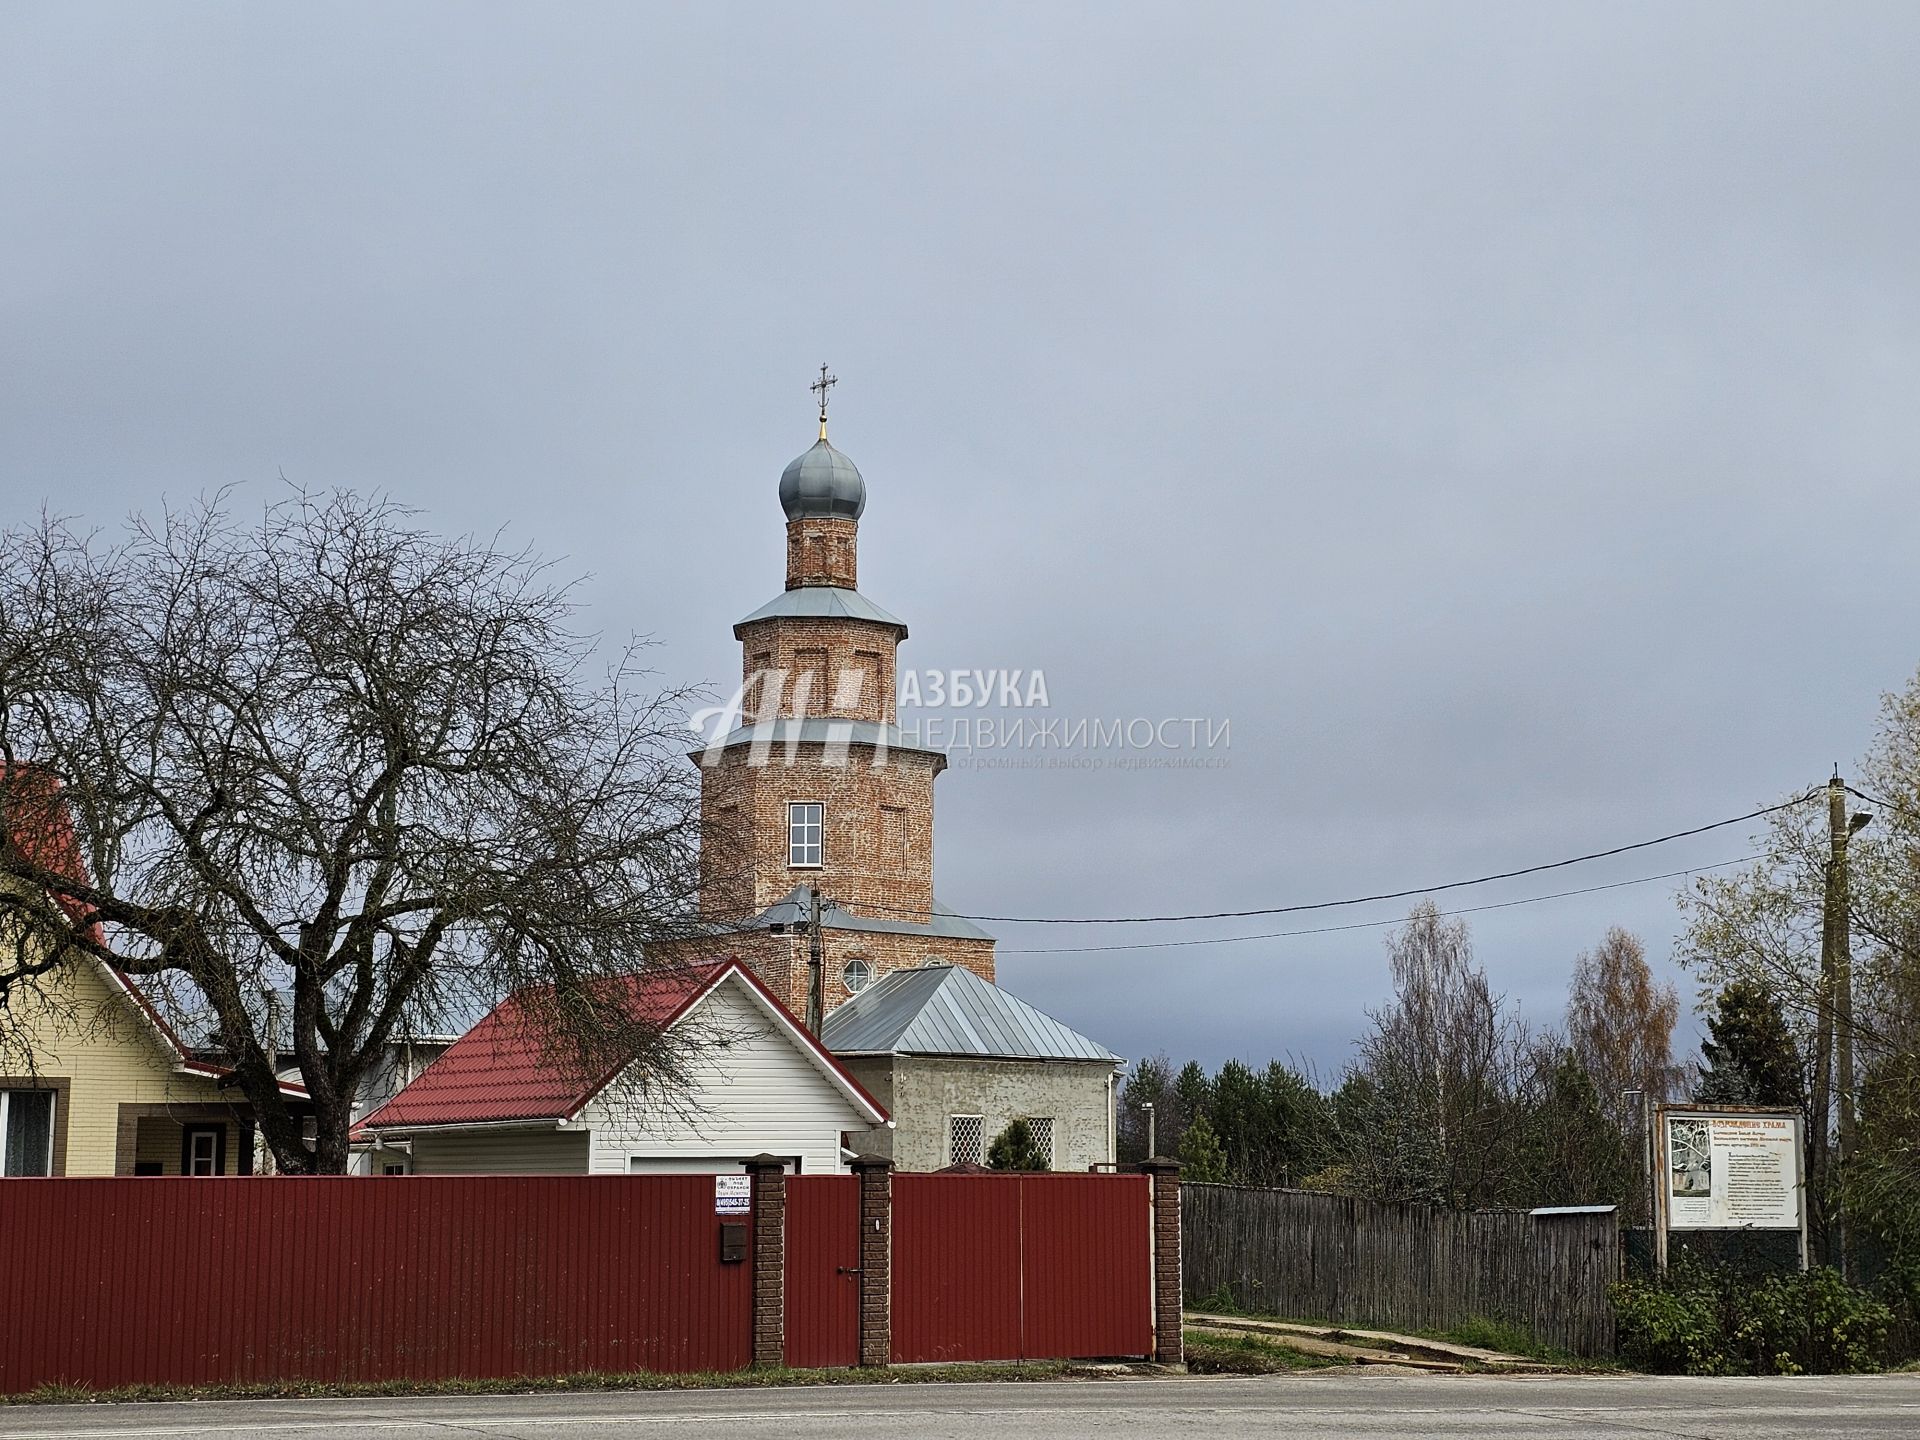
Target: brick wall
744,852
781,960
823,550
863,648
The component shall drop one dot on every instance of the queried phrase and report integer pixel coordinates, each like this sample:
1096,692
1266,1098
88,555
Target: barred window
966,1139
1041,1128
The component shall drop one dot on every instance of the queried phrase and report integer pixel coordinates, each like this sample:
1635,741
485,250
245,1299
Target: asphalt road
1323,1404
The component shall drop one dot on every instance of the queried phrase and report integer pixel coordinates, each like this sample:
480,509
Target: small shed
956,1059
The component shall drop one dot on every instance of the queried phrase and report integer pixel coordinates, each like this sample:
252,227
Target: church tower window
806,820
856,975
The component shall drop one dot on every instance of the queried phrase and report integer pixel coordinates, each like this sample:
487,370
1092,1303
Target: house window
857,975
805,820
203,1150
394,1169
966,1139
26,1132
1041,1128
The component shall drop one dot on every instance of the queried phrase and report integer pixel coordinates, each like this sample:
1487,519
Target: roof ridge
918,1010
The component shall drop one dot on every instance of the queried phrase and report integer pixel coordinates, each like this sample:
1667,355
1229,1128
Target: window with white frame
203,1150
26,1132
966,1139
856,975
805,821
1041,1128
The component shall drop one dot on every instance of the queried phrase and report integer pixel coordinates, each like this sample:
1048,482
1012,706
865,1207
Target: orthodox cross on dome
820,387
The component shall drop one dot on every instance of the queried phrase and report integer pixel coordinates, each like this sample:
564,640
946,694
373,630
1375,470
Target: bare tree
334,754
1429,1110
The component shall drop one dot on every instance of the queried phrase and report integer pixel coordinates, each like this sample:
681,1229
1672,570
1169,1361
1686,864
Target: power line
1369,899
1376,924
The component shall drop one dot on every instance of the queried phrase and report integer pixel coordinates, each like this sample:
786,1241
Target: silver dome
822,482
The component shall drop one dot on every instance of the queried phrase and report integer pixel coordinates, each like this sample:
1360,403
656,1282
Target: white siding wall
760,1094
500,1152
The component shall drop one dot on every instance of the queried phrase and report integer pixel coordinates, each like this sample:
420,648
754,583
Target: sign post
1729,1167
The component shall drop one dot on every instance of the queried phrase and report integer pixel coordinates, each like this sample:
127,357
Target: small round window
856,976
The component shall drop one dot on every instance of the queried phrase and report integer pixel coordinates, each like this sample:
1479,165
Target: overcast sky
1504,417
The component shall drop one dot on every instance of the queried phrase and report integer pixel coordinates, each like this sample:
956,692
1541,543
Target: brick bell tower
816,791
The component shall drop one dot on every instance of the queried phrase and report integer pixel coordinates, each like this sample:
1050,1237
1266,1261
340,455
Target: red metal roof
501,1071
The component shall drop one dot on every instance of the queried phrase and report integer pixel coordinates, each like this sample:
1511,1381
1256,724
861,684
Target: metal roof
819,730
1574,1210
821,602
944,924
944,1010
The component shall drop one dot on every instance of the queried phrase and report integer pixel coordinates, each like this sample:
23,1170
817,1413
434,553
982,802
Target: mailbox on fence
733,1242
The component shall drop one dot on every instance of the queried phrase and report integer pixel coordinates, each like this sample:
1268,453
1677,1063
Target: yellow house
112,1091
93,1081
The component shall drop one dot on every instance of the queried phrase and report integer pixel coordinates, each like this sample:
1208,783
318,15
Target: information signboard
1729,1169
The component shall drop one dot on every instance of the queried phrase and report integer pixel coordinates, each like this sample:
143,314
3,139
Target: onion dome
822,482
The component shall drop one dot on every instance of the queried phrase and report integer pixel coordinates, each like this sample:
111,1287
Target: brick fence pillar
1169,1345
769,1261
876,1260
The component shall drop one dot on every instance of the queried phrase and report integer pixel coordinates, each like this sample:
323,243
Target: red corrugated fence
109,1282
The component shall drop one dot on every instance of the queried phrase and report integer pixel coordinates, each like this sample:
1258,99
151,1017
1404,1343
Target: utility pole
1833,1037
816,964
1821,1108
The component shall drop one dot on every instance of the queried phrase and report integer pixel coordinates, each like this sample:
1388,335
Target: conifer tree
1202,1161
1750,1054
1014,1148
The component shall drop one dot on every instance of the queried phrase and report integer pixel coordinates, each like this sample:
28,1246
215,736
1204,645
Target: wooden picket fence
1311,1256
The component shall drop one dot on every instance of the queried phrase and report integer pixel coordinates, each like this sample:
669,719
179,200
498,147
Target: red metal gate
1015,1267
823,1270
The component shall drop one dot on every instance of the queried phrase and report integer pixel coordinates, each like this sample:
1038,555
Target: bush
1716,1322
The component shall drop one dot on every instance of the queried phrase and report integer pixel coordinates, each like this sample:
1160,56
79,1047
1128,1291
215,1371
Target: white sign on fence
1732,1170
732,1194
